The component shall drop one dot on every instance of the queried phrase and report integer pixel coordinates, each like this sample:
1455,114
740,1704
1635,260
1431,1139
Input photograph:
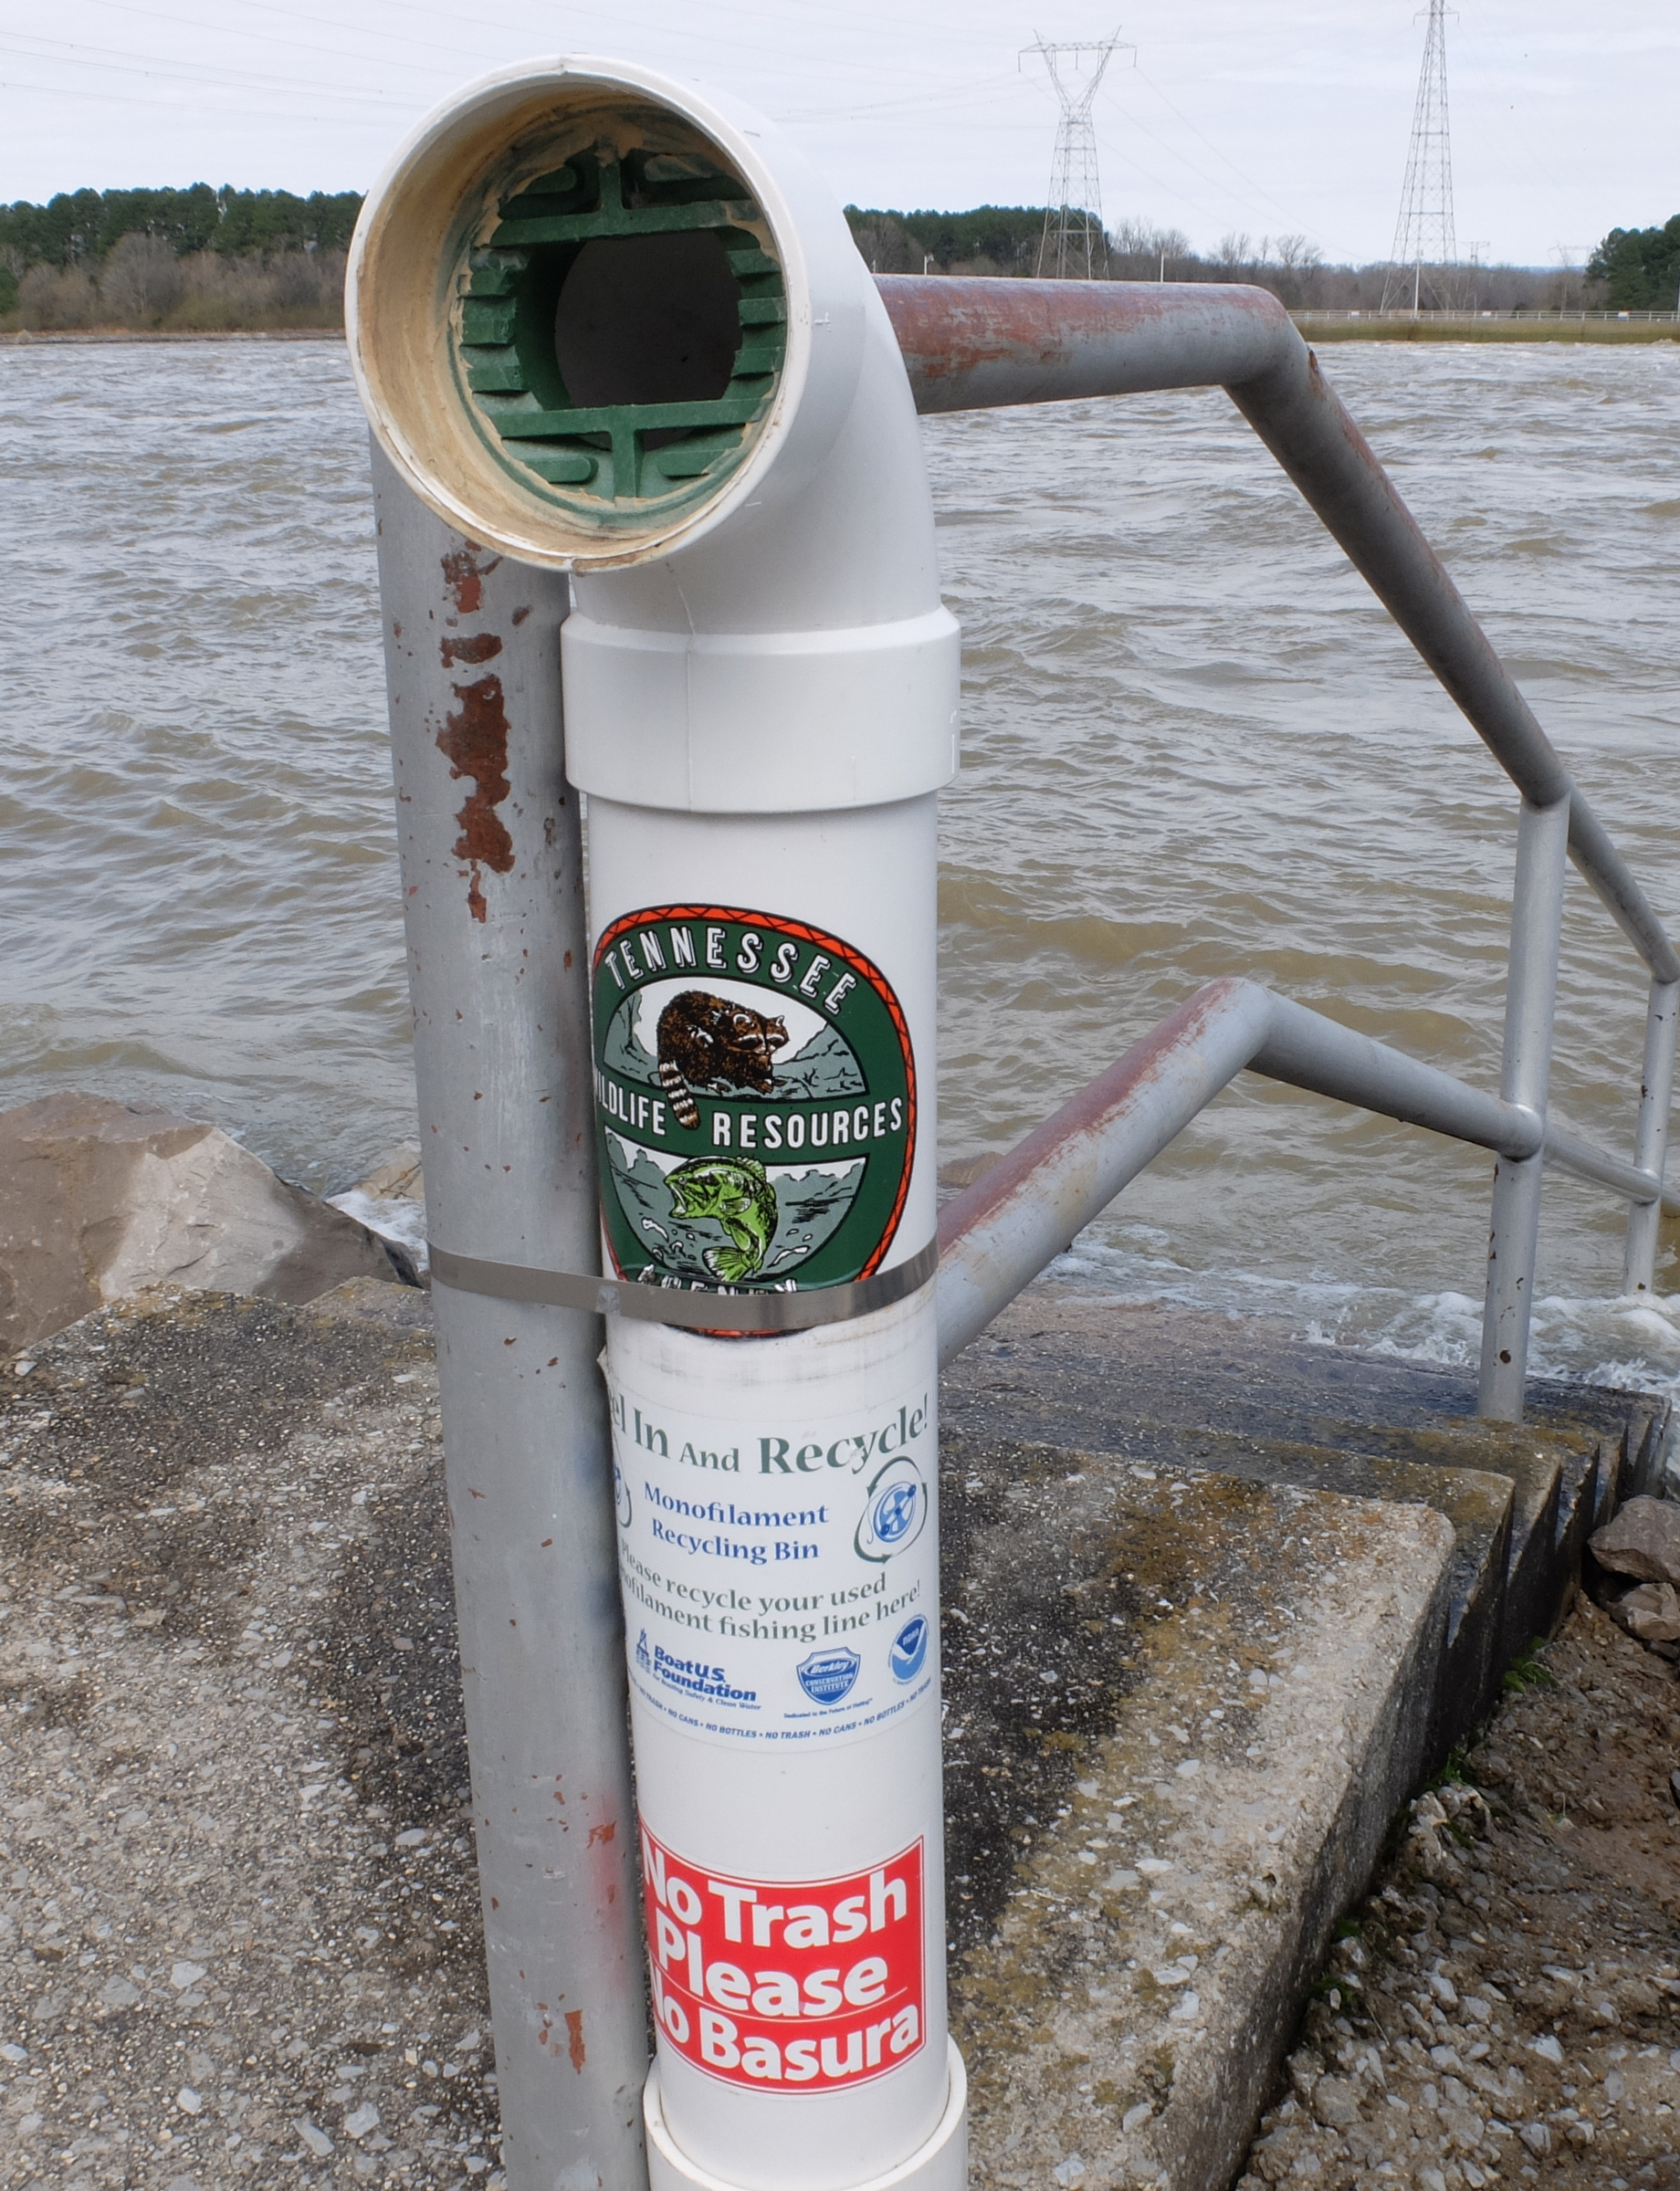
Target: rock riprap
1504,2007
102,1199
1642,1542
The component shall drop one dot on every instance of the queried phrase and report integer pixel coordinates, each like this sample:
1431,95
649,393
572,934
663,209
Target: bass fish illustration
737,1193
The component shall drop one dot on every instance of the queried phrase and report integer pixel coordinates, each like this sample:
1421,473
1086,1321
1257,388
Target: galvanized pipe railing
497,944
1651,1138
970,344
1530,1005
998,1235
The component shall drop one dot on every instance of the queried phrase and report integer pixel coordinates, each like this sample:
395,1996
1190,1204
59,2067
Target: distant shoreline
26,338
1318,328
1331,327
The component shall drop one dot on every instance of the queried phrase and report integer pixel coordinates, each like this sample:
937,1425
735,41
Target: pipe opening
621,326
648,320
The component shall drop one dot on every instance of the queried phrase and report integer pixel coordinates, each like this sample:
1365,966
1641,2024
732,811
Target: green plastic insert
622,461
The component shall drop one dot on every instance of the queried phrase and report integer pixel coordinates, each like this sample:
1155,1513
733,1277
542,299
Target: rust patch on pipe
602,1833
1053,336
483,646
474,740
464,575
575,2038
1085,1115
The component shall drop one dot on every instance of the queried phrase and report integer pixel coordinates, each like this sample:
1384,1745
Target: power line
1231,164
334,53
1424,259
172,106
1074,246
987,88
1174,152
136,64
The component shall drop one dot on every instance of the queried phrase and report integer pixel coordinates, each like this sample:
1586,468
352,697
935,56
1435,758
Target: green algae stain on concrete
1189,1794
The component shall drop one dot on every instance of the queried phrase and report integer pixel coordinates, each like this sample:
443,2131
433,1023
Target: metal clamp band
698,1311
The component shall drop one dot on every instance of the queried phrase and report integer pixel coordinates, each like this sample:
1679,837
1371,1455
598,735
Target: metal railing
971,343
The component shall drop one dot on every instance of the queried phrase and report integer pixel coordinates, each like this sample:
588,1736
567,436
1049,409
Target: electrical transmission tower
1074,246
1423,264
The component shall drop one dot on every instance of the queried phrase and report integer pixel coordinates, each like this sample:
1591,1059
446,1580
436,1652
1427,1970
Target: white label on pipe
780,1577
817,1983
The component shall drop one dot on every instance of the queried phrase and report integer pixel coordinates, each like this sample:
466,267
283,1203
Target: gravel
239,1935
1505,2004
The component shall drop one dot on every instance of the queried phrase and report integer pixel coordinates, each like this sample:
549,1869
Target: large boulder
1642,1541
1650,1611
99,1198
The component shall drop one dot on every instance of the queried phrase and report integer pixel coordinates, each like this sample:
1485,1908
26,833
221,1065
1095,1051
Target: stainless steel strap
695,1310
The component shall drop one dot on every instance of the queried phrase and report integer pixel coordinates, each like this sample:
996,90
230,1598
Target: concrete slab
1184,1702
1183,1710
232,1803
1250,1401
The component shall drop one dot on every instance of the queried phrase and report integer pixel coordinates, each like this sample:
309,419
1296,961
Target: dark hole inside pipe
648,320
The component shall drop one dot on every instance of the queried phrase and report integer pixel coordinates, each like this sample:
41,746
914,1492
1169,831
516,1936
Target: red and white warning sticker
816,1984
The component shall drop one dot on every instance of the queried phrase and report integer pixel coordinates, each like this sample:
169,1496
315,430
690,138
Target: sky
1260,117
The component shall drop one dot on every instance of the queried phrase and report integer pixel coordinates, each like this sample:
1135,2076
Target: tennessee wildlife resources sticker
755,1097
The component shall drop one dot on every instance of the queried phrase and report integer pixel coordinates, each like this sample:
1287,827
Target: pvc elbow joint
608,326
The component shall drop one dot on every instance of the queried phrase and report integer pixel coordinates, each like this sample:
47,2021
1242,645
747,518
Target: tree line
1640,268
196,257
1632,270
202,257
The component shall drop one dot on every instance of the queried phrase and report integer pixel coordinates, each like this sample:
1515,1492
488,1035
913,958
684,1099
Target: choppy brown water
1194,746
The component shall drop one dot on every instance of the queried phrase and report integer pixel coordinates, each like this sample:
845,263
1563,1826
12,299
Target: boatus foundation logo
755,1101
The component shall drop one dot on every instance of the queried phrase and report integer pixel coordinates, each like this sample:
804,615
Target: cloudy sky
1266,115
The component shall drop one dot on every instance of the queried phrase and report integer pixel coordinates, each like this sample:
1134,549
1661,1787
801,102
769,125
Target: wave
1631,1342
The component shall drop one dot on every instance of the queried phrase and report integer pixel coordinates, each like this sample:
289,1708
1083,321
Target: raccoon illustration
706,1042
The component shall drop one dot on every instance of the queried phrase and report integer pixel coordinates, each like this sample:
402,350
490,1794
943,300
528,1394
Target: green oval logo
755,1100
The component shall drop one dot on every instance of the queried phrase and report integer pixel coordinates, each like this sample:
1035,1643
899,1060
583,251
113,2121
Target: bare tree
887,246
51,295
1298,262
1139,250
141,282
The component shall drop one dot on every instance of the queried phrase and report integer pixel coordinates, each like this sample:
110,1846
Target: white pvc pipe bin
604,325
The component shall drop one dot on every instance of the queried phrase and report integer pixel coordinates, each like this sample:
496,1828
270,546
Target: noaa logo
895,1509
827,1676
910,1650
621,1496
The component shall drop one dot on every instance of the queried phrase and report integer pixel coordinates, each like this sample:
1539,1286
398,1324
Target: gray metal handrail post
1530,1003
970,342
1657,1092
998,1235
492,873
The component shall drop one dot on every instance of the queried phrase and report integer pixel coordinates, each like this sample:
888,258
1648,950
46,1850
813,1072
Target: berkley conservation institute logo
827,1676
755,1097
